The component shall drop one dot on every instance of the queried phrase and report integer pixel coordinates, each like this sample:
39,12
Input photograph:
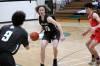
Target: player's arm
24,40
51,20
41,30
97,18
27,47
26,44
86,32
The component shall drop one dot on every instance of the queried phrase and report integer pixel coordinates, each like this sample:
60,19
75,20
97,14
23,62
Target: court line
73,60
78,64
70,54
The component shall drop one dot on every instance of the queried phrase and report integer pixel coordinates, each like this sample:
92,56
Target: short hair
47,9
89,5
18,18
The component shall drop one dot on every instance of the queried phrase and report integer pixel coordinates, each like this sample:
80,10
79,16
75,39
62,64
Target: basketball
34,36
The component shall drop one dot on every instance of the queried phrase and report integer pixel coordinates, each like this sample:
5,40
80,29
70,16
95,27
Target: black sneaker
41,64
54,62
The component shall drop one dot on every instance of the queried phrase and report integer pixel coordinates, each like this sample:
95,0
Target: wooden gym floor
72,51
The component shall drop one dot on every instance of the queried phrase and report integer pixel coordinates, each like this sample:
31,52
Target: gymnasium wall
8,8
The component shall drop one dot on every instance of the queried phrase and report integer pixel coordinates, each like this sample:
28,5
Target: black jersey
47,27
51,31
11,37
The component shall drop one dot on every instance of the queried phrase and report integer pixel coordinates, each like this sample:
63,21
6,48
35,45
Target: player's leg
92,55
6,59
43,46
55,51
92,48
56,38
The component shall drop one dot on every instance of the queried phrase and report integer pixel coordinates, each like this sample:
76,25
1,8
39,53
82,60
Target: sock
42,64
92,56
54,60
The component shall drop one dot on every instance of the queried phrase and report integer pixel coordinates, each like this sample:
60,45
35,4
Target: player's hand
93,29
62,38
84,34
27,47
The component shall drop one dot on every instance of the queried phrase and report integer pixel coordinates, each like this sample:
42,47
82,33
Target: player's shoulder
23,31
51,16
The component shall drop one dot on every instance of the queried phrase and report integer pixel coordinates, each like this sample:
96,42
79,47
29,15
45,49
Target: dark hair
88,5
47,9
18,18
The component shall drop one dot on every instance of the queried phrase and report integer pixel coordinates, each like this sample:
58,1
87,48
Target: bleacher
70,11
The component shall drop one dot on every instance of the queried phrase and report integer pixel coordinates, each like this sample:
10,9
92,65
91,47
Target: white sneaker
92,62
97,63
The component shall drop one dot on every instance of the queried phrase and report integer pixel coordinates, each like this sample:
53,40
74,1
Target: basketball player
11,37
94,40
52,32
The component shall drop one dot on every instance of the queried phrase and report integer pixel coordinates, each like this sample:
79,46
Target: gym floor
72,51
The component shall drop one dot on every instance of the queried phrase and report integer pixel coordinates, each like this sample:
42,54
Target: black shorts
6,59
50,36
